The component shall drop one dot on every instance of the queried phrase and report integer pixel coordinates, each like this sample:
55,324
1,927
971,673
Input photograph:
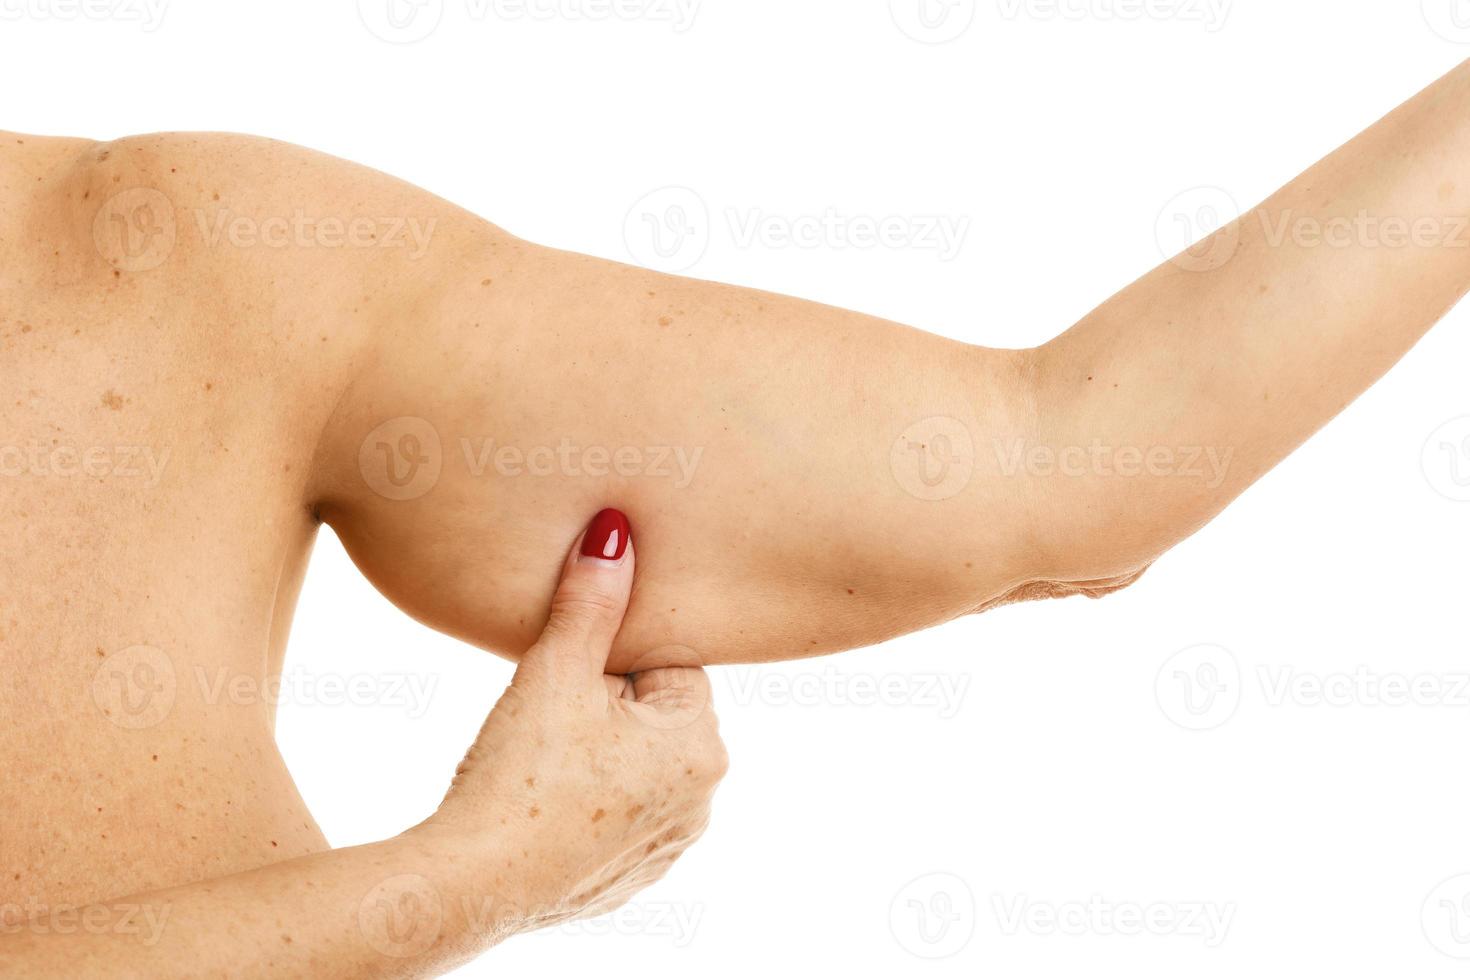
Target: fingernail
607,536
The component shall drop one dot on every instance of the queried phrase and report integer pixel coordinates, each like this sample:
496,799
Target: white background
902,838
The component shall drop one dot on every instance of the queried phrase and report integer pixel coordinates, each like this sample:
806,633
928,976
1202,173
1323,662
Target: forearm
412,906
1233,354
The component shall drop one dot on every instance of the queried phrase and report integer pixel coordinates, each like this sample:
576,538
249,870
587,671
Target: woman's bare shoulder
230,202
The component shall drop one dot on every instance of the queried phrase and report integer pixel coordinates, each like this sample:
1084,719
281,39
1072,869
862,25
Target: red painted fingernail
607,536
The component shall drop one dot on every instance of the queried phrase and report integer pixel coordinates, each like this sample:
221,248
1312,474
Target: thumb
588,607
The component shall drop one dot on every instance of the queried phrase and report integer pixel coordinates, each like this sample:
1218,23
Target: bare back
155,440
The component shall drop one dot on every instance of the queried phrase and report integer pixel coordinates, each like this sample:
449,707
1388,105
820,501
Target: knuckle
580,604
712,761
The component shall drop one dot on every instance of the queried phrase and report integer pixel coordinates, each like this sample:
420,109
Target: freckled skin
254,375
119,364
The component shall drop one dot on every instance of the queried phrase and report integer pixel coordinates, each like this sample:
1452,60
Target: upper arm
800,479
